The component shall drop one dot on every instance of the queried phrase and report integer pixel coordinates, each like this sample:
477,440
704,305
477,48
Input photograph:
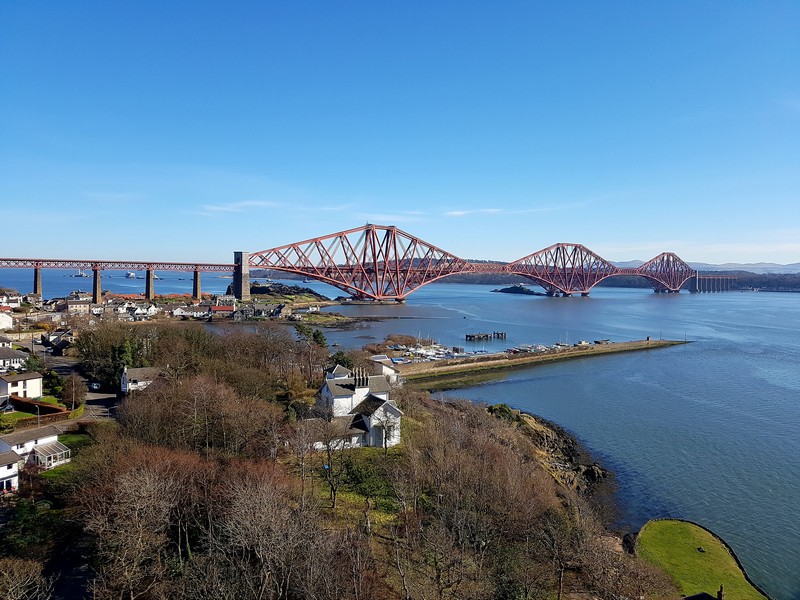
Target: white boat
81,273
131,275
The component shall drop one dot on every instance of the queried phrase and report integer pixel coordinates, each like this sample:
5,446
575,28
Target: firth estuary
707,431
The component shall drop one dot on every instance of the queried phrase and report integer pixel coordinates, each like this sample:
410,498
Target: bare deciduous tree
22,579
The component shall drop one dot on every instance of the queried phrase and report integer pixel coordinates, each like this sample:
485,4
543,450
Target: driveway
99,406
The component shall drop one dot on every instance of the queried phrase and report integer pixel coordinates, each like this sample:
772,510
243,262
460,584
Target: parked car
94,386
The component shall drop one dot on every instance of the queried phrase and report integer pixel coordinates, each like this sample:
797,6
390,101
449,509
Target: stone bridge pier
241,276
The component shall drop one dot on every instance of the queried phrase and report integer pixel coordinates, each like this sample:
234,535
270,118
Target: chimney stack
360,377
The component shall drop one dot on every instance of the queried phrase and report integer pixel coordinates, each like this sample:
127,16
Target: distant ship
81,273
131,275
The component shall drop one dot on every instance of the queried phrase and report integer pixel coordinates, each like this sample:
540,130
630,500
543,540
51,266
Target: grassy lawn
75,441
674,546
366,474
15,416
58,475
50,400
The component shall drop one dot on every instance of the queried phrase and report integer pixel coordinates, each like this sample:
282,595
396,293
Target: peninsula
461,372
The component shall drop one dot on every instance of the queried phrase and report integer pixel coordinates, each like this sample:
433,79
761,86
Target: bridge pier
37,280
196,285
97,292
149,288
241,276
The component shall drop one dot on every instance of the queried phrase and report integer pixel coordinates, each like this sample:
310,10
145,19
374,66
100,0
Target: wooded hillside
208,486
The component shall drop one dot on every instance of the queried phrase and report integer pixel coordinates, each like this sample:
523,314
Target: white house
137,379
122,308
24,385
384,365
197,311
38,446
343,390
11,359
5,342
14,301
363,401
6,320
142,311
9,469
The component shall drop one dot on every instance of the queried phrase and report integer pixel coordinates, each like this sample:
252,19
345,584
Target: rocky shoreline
573,466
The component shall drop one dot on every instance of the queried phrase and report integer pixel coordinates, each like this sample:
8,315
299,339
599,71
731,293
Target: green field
696,559
50,400
15,416
75,441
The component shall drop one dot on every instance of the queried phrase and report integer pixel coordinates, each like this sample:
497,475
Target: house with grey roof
9,469
362,400
11,359
139,378
24,385
39,446
197,311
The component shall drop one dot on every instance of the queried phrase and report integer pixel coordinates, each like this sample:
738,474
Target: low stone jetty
424,372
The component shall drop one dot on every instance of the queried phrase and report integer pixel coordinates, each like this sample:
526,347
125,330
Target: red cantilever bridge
384,263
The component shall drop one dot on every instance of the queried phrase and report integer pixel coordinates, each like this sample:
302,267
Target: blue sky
187,130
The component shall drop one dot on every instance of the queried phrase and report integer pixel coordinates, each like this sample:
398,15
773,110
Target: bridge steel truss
374,261
666,271
381,262
384,263
564,268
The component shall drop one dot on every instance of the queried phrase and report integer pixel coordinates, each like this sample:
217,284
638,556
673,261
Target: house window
9,466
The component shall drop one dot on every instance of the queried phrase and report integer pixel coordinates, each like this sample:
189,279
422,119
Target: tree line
211,484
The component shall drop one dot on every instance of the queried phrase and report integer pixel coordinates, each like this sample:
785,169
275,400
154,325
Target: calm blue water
709,431
60,282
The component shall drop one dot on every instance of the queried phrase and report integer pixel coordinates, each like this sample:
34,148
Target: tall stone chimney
360,377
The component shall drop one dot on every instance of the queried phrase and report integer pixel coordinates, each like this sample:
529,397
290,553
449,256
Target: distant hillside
761,267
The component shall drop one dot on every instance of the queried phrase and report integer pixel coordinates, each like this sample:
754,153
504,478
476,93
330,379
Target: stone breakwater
422,372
